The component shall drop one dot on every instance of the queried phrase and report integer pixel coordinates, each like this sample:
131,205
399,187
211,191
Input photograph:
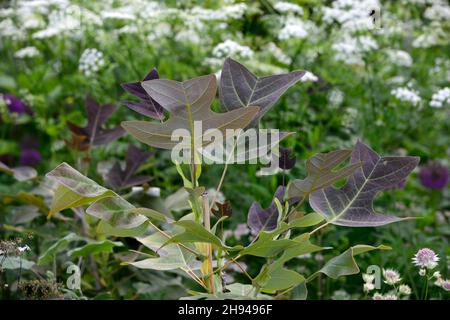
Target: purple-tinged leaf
147,106
95,135
120,179
286,162
223,209
352,205
321,173
187,101
240,88
260,219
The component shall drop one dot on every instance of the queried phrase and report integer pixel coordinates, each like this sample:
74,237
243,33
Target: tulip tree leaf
267,219
146,106
282,278
195,232
116,211
74,189
97,115
352,205
321,174
345,264
104,228
266,246
120,179
240,88
94,247
171,256
187,102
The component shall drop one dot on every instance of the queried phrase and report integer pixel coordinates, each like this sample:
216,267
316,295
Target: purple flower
30,157
434,175
15,104
426,258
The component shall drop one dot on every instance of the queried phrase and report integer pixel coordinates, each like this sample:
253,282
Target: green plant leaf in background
94,247
58,246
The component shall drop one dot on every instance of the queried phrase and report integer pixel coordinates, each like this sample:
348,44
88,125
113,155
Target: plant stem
207,223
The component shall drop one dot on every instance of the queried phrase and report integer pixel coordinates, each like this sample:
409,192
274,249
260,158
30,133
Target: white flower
391,276
400,58
24,248
377,296
406,95
368,287
353,15
350,50
439,10
231,48
437,275
287,8
368,278
27,52
389,297
426,258
309,76
422,272
91,61
440,98
404,289
296,28
336,97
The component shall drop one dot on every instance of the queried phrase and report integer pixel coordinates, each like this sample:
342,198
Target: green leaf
345,263
106,229
195,232
116,211
74,189
7,82
151,214
266,246
94,247
14,263
58,246
308,220
282,278
171,257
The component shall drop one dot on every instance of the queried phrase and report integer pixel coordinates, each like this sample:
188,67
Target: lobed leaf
352,205
240,88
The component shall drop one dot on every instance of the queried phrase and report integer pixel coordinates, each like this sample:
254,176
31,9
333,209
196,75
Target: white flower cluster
350,50
353,15
406,95
432,36
288,8
440,10
278,54
27,52
399,57
440,98
231,48
91,61
296,28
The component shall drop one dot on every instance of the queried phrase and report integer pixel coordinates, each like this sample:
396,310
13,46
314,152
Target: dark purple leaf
240,88
120,179
147,106
97,115
260,219
286,162
352,205
223,209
